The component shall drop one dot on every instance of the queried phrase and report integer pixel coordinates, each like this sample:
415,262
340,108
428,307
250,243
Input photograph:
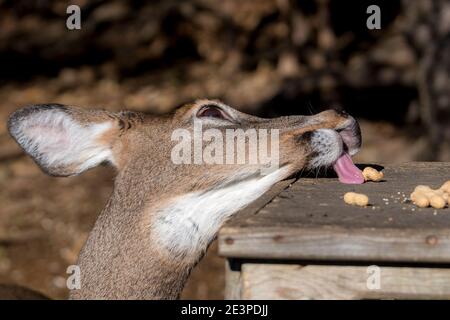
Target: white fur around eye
54,139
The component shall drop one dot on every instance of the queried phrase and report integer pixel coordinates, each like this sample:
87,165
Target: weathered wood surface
310,221
232,281
266,281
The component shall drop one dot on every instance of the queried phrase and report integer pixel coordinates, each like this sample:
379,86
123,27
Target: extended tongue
347,172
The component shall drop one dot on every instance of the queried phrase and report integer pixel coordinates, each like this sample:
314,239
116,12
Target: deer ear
62,140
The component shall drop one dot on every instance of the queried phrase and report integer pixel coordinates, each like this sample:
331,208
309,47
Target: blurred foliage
253,54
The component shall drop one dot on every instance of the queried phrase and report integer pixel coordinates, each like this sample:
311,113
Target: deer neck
119,259
145,248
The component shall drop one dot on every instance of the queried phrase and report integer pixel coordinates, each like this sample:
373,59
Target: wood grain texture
232,281
310,221
266,281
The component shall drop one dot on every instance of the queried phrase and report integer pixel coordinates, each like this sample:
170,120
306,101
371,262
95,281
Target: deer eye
212,111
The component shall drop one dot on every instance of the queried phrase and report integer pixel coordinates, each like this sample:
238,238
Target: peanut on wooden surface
372,174
424,196
446,187
357,199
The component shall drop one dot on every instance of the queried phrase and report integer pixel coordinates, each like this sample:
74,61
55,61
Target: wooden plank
262,201
232,269
232,281
310,221
266,281
338,245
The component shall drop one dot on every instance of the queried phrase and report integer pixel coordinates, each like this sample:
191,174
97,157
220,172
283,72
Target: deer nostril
343,113
306,136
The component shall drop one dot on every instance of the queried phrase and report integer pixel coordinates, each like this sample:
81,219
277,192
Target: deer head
179,177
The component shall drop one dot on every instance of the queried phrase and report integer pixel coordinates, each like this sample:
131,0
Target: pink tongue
347,172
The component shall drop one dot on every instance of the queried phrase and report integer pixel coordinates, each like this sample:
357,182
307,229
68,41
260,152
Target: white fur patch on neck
54,139
190,222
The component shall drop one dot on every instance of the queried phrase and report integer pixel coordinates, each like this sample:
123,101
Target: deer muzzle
333,138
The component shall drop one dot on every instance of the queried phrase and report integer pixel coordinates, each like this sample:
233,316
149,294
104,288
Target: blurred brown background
266,57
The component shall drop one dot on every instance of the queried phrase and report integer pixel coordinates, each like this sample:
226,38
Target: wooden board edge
337,244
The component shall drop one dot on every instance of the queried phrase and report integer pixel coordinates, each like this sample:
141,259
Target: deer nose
328,119
340,121
351,136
